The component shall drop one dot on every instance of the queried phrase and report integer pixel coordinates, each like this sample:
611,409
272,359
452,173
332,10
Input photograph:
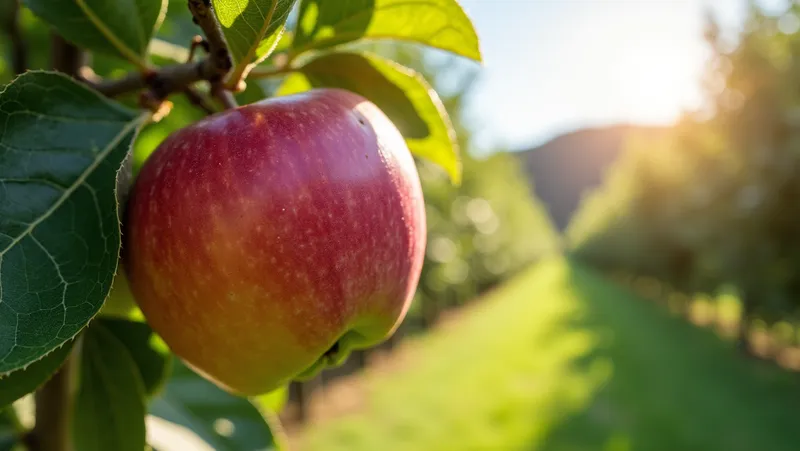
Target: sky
551,66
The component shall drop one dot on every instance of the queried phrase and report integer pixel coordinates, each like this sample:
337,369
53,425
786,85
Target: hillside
566,167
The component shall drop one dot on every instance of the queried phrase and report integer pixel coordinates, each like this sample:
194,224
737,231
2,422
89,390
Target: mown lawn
562,360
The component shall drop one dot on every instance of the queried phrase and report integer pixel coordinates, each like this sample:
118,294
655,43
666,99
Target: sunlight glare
579,64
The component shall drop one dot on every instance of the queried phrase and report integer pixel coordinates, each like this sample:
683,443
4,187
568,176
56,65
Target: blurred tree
485,230
714,204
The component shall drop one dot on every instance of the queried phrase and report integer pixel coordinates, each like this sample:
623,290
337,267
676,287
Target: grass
562,360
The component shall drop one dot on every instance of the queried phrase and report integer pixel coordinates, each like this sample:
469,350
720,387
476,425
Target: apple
266,242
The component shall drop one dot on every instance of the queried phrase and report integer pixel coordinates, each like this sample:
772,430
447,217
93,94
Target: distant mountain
570,165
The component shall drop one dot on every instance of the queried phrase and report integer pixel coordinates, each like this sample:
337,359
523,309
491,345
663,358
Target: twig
87,75
112,88
219,61
163,82
178,77
224,96
19,50
197,41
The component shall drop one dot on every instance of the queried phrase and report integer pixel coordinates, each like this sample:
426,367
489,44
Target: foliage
490,226
64,142
713,205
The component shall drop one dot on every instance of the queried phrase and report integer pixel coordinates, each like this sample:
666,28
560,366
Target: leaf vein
105,31
65,195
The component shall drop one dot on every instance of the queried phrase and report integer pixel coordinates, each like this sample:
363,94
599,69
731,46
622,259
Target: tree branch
224,96
219,60
178,77
19,50
163,82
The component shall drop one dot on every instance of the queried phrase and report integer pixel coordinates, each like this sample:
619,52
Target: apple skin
266,242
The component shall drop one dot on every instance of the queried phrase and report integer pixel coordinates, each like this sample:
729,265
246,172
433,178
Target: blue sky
556,65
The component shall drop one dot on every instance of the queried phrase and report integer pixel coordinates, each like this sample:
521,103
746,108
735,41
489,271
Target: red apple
266,242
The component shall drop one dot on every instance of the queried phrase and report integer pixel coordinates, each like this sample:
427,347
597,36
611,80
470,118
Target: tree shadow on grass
670,386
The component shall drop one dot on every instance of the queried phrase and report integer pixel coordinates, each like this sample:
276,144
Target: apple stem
224,96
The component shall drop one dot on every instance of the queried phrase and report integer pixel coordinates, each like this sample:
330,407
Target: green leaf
121,27
442,24
151,355
61,146
110,405
21,382
10,430
401,93
224,421
252,28
178,27
8,442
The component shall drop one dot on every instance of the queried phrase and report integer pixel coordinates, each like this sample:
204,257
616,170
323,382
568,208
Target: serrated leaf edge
6,374
130,127
137,121
242,67
455,176
312,45
72,342
36,72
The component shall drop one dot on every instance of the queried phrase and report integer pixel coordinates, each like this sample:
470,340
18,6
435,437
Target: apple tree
124,145
712,206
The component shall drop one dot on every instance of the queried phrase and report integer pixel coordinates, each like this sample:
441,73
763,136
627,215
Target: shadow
668,385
